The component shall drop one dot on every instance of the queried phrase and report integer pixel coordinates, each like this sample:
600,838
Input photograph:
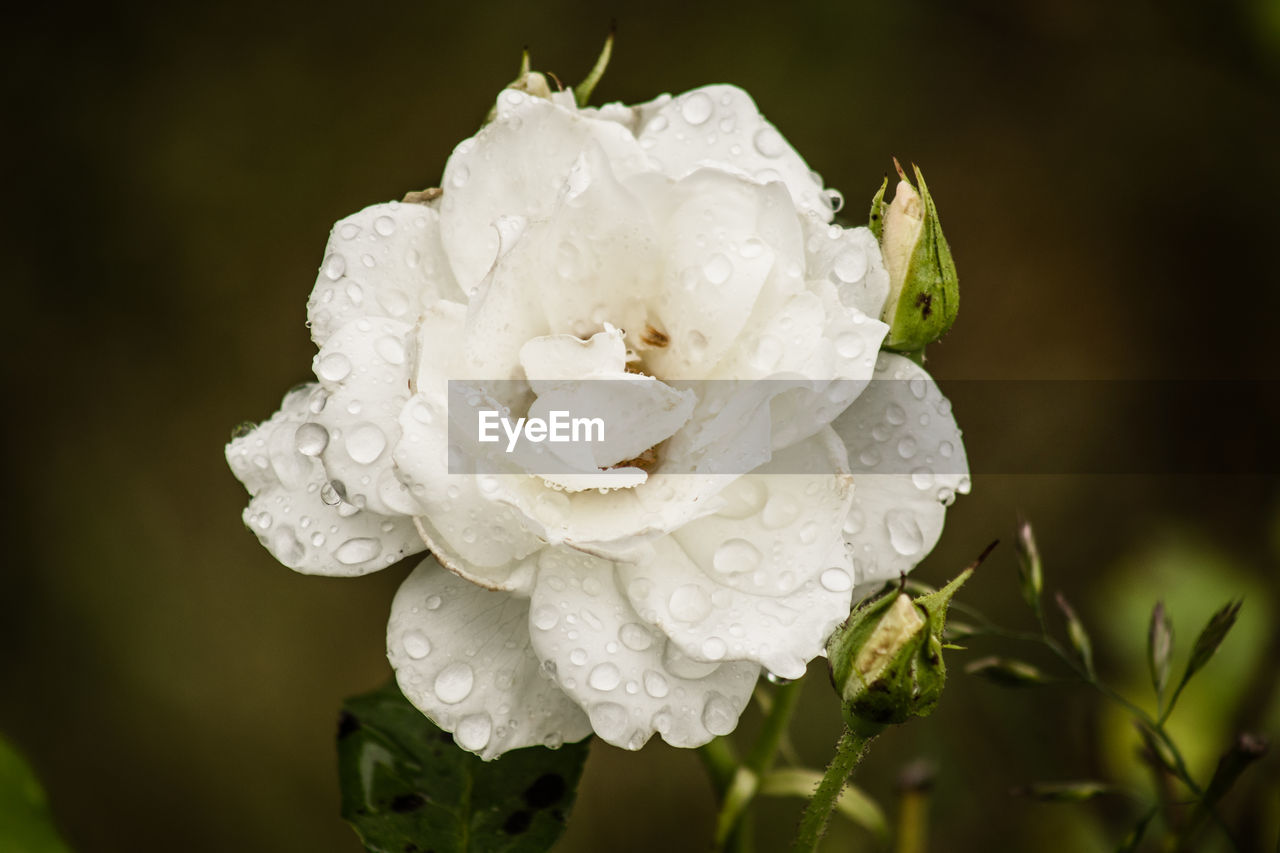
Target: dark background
1108,179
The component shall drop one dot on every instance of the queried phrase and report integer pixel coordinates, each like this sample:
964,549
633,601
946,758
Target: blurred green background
1108,178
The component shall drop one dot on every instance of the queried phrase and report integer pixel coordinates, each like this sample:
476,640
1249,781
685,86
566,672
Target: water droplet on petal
696,107
904,532
769,142
609,719
604,676
454,682
460,176
718,715
474,732
416,645
311,439
780,511
714,648
390,348
836,580
635,637
850,345
717,269
365,443
335,266
545,618
736,555
358,550
334,367
689,603
655,685
850,265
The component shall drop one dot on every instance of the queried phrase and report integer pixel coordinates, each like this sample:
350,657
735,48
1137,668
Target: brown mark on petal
653,337
645,461
423,196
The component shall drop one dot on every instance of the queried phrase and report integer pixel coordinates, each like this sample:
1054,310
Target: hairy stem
813,825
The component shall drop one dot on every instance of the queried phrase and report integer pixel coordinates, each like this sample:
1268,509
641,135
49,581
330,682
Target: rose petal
385,261
517,165
297,514
908,464
721,126
766,578
365,367
463,657
850,259
620,671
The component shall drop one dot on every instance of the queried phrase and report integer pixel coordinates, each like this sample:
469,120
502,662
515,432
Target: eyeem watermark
557,427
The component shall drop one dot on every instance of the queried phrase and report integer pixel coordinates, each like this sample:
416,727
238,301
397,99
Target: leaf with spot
407,788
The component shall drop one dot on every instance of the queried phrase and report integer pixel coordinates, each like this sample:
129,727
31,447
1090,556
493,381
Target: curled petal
908,465
462,655
517,165
721,125
385,261
297,513
622,672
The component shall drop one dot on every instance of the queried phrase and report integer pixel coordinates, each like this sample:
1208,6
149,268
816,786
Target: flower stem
813,825
744,781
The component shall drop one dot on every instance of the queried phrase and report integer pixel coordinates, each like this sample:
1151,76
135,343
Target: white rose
679,239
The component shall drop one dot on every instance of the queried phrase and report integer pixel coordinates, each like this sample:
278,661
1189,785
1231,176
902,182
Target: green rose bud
886,660
924,291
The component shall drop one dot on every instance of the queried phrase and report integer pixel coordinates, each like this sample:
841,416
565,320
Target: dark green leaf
1134,838
1076,633
1207,643
1159,648
25,823
407,787
1007,672
1030,572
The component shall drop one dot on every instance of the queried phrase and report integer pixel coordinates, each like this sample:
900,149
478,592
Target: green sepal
876,220
582,92
930,295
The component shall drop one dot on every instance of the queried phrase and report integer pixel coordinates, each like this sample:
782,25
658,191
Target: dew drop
454,683
311,439
460,176
635,637
335,266
836,580
655,685
474,732
334,367
769,142
365,443
604,676
780,511
689,603
545,618
714,648
390,348
904,532
358,550
850,265
718,715
384,225
735,555
609,719
717,269
696,107
416,645
849,345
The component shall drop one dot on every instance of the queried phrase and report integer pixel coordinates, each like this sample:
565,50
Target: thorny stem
813,824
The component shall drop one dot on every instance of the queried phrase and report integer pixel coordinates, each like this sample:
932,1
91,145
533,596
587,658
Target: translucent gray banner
579,428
